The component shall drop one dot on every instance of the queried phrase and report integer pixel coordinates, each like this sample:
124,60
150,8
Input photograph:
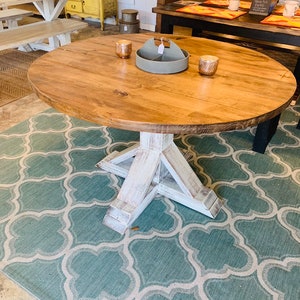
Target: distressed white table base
155,166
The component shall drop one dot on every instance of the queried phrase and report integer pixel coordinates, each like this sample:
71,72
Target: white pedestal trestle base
154,166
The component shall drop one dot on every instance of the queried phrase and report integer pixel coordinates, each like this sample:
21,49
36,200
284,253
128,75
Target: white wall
125,4
147,18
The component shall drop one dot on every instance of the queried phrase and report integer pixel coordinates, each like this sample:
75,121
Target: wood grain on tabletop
87,80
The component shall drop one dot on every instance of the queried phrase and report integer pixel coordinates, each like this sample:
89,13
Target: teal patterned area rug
53,200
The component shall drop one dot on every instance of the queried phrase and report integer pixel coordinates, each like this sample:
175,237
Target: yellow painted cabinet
99,9
92,7
73,6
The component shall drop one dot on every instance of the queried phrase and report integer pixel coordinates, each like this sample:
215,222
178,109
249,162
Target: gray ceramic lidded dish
173,59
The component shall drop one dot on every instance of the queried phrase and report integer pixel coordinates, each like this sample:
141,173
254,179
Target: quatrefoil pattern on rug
53,199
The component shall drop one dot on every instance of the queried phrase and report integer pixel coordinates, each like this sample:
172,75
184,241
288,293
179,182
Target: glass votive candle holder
208,64
290,8
123,48
233,4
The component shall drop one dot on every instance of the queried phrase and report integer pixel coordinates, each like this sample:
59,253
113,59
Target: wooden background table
87,80
245,26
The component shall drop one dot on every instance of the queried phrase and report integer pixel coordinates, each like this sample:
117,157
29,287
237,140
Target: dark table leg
297,70
264,133
297,76
265,130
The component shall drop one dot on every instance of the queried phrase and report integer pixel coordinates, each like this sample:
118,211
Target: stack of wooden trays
129,22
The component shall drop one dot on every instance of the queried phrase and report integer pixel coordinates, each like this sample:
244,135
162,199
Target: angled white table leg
154,166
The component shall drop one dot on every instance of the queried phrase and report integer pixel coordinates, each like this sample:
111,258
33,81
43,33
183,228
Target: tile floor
20,110
10,291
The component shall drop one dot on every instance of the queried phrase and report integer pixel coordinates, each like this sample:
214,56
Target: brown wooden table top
86,79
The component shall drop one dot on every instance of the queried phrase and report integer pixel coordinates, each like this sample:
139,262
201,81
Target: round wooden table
87,80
